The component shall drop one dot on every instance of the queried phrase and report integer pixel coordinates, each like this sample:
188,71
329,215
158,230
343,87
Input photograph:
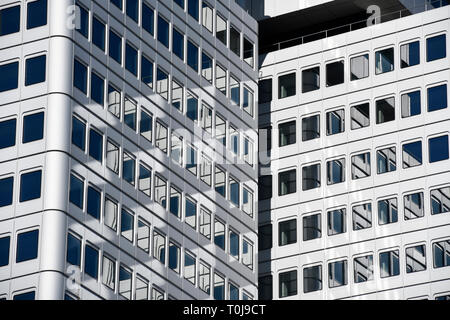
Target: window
78,133
362,216
160,191
219,287
337,222
248,151
235,41
233,243
247,201
248,52
335,171
411,104
146,125
147,71
10,76
384,61
148,19
415,259
83,27
178,43
114,101
360,116
233,292
94,202
311,128
36,14
125,281
176,149
79,76
437,98
413,206
207,16
265,288
221,129
207,67
265,91
191,213
192,55
311,177
8,133
191,160
440,200
288,284
133,13
131,59
412,154
235,90
247,254
219,180
287,182
286,85
128,168
219,234
6,191
109,272
115,47
206,118
410,54
112,156
110,218
359,67
127,225
385,110
174,257
386,160
312,279
191,107
141,290
363,268
204,278
335,73
163,31
389,264
4,251
25,296
27,246
98,33
311,79
95,145
205,223
117,3
33,127
234,191
145,179
97,88
9,20
387,211
337,274
35,70
312,227
189,268
30,186
221,79
361,166
287,133
157,294
441,254
159,246
180,3
438,149
162,83
436,48
265,237
161,137
193,8
443,298
287,232
143,235
206,171
221,29
335,122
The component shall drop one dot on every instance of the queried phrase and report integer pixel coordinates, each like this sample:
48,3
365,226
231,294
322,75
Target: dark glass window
115,47
337,274
174,257
362,216
287,232
129,168
337,222
147,71
96,145
287,133
265,187
193,8
360,116
410,54
98,33
385,110
234,244
312,279
235,41
127,225
27,246
311,177
178,44
117,3
163,31
30,186
265,91
335,122
311,128
76,193
286,85
133,9
192,108
412,154
207,67
384,61
265,288
94,202
131,59
386,160
6,191
389,264
73,250
4,251
440,200
311,79
437,98
441,254
335,73
411,104
36,14
438,149
8,133
25,296
9,20
192,55
265,237
83,28
387,211
10,76
148,19
35,70
97,88
79,76
312,227
287,182
33,127
436,48
91,261
180,3
335,171
288,284
78,133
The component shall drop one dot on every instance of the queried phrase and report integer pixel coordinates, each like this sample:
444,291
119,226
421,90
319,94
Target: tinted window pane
193,8
95,145
35,70
335,73
8,133
163,31
410,54
91,261
78,133
9,20
79,76
437,98
115,47
129,168
412,154
27,246
30,186
131,59
311,79
286,86
132,9
84,22
117,3
10,76
94,202
73,250
148,19
33,127
178,44
6,191
25,296
438,148
411,104
436,48
4,251
98,33
127,225
147,71
97,89
384,61
192,55
36,14
76,191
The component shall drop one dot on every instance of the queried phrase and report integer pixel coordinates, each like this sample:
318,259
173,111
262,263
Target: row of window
88,197
32,129
35,72
202,63
30,187
362,218
239,194
104,266
363,269
27,244
36,12
411,101
386,161
359,68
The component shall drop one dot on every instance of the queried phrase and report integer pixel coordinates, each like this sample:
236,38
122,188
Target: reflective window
413,206
335,122
311,177
141,290
145,179
360,116
189,268
248,151
94,202
384,61
79,76
441,254
157,294
191,160
204,278
133,9
191,213
125,282
9,20
436,47
247,254
337,274
265,288
416,259
411,104
311,128
176,149
386,160
440,200
175,202
36,14
78,133
95,145
387,211
248,52
178,43
362,216
247,201
6,191
335,171
219,287
174,257
8,133
412,154
312,227
193,8
287,232
129,168
160,191
98,33
286,85
30,186
114,101
97,88
4,251
191,107
143,235
248,103
234,191
438,149
288,284
163,31
219,234
131,59
385,110
287,182
192,55
159,247
235,41
109,272
361,166
221,129
207,16
233,243
147,71
359,67
335,73
437,98
146,125
110,218
35,70
130,113
410,54
112,156
115,47
287,133
312,279
311,79
148,19
221,79
219,179
162,84
337,222
205,223
73,250
389,264
207,67
161,137
127,225
27,246
206,171
10,76
363,268
33,127
221,29
233,292
235,92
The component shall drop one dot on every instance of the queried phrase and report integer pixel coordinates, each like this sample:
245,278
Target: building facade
128,150
354,194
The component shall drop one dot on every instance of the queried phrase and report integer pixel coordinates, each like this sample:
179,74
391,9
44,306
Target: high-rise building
354,197
128,140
